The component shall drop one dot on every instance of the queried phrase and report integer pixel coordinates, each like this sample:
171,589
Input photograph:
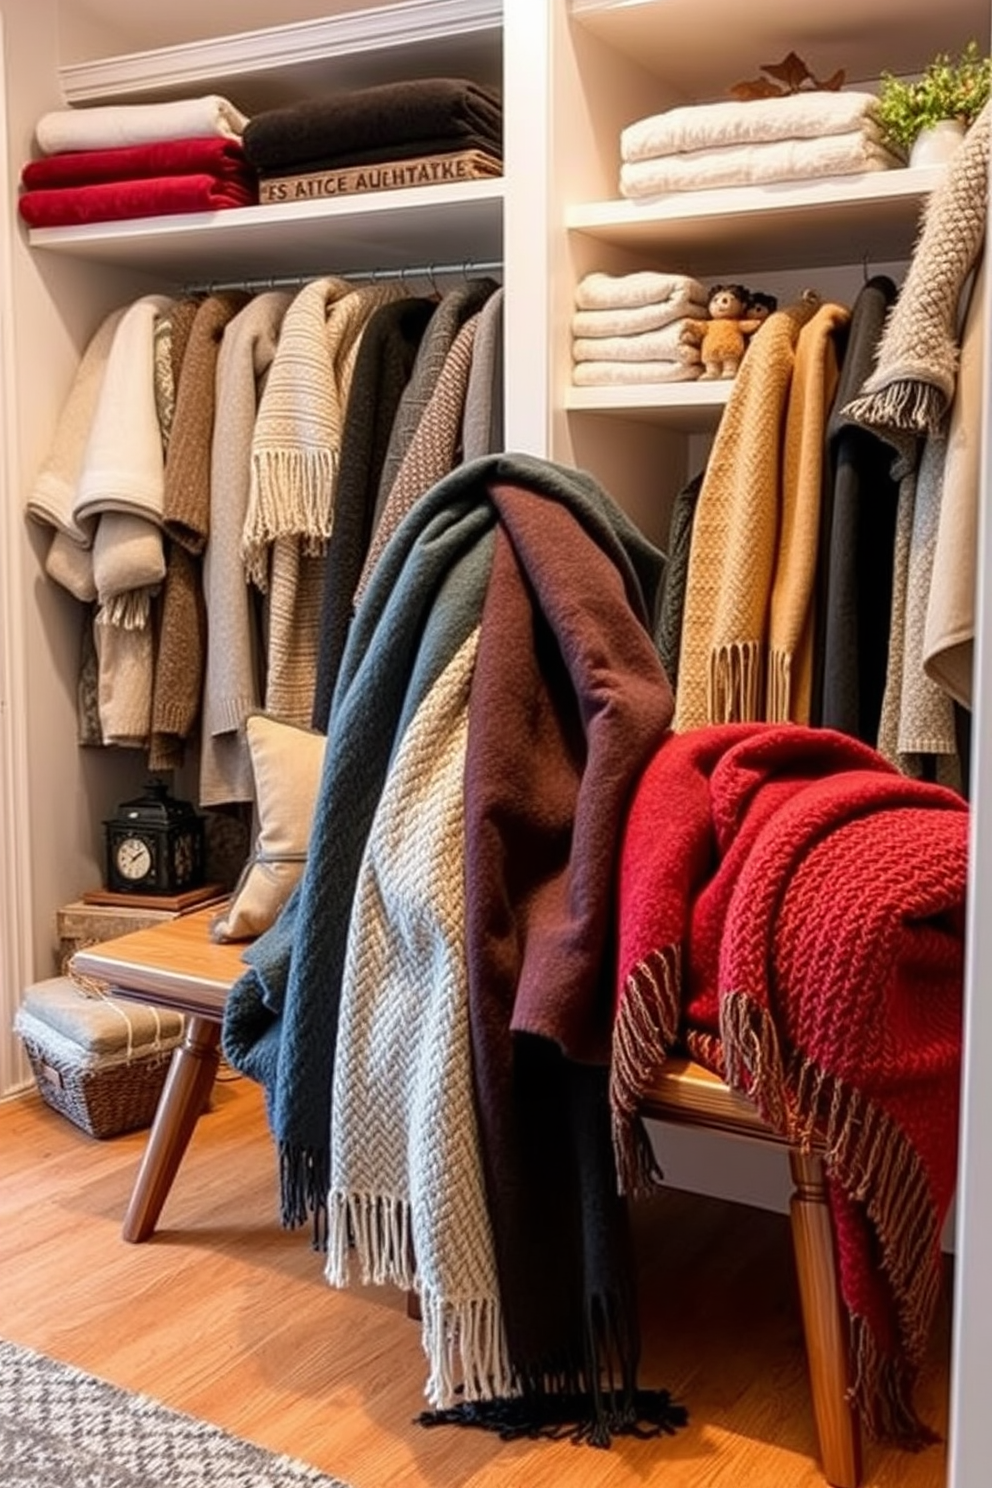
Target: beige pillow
286,762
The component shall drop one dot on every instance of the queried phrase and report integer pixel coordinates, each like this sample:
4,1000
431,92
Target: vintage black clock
155,844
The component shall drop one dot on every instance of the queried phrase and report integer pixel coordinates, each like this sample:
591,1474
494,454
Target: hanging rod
430,272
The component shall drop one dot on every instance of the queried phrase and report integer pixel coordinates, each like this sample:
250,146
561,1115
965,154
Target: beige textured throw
407,1203
676,292
53,493
752,165
912,385
293,487
790,619
734,537
808,115
297,438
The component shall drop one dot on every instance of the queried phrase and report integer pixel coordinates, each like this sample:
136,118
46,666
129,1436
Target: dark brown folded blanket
341,129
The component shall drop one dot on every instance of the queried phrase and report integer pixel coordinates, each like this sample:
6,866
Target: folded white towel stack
796,136
115,125
626,328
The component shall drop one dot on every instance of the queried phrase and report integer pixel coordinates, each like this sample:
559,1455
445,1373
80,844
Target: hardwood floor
224,1315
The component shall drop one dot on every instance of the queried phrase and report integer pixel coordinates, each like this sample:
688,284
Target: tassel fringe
865,1152
648,1413
292,495
128,611
908,404
303,1185
644,1030
733,688
466,1347
779,686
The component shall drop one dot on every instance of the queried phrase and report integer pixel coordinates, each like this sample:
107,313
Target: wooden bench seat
176,965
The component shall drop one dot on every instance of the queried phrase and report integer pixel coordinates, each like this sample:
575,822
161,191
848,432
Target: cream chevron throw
407,1187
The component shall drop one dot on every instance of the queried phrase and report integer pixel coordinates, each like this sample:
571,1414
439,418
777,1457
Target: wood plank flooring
224,1315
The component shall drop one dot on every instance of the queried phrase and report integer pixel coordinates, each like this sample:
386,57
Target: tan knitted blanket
790,619
734,538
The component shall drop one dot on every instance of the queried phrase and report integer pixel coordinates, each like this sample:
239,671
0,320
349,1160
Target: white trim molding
410,23
15,859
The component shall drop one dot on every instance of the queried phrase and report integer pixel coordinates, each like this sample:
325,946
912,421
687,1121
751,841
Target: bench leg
826,1346
187,1087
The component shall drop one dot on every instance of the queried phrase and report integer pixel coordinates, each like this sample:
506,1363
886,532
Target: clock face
133,858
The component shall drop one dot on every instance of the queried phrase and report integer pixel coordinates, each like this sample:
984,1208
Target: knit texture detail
912,385
810,902
407,1198
734,536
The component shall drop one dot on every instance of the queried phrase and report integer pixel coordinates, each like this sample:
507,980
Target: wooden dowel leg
187,1086
826,1344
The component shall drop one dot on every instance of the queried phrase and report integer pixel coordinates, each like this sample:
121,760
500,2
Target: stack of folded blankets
627,328
791,137
137,160
417,132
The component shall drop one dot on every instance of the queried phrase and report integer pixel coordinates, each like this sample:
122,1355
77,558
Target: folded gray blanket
406,119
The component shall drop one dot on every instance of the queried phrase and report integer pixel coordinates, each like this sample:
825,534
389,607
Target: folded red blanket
213,155
110,201
793,909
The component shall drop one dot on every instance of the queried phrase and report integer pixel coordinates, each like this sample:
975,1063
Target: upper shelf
704,55
285,64
422,225
749,228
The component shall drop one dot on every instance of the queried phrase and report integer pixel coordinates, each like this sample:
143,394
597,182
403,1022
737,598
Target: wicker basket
102,1085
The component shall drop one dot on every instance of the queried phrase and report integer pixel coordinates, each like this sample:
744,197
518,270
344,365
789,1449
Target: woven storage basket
101,1061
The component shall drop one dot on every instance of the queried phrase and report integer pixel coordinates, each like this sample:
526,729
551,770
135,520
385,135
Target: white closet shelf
703,56
461,222
686,407
740,229
282,64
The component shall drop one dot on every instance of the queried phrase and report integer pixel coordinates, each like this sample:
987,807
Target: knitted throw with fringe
734,535
912,386
792,909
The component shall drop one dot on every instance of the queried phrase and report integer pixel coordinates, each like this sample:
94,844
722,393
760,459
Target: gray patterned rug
61,1428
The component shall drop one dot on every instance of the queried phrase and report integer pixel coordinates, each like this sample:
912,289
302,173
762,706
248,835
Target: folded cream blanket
113,125
599,291
748,165
731,122
661,345
606,374
637,319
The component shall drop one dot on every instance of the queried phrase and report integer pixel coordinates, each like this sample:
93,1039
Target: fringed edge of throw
292,495
868,1155
465,1344
464,1341
304,1179
581,1402
779,686
907,403
733,684
129,610
644,1030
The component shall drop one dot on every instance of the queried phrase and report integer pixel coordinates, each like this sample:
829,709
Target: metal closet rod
292,281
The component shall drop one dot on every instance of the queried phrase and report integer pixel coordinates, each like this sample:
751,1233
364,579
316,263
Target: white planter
936,145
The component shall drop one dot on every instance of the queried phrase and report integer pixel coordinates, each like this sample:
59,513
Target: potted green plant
945,98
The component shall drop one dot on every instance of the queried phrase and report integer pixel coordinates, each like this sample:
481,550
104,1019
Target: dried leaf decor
793,76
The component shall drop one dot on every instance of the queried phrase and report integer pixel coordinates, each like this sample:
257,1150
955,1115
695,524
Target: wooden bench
176,965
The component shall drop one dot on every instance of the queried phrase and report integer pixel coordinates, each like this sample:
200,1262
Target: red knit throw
793,908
